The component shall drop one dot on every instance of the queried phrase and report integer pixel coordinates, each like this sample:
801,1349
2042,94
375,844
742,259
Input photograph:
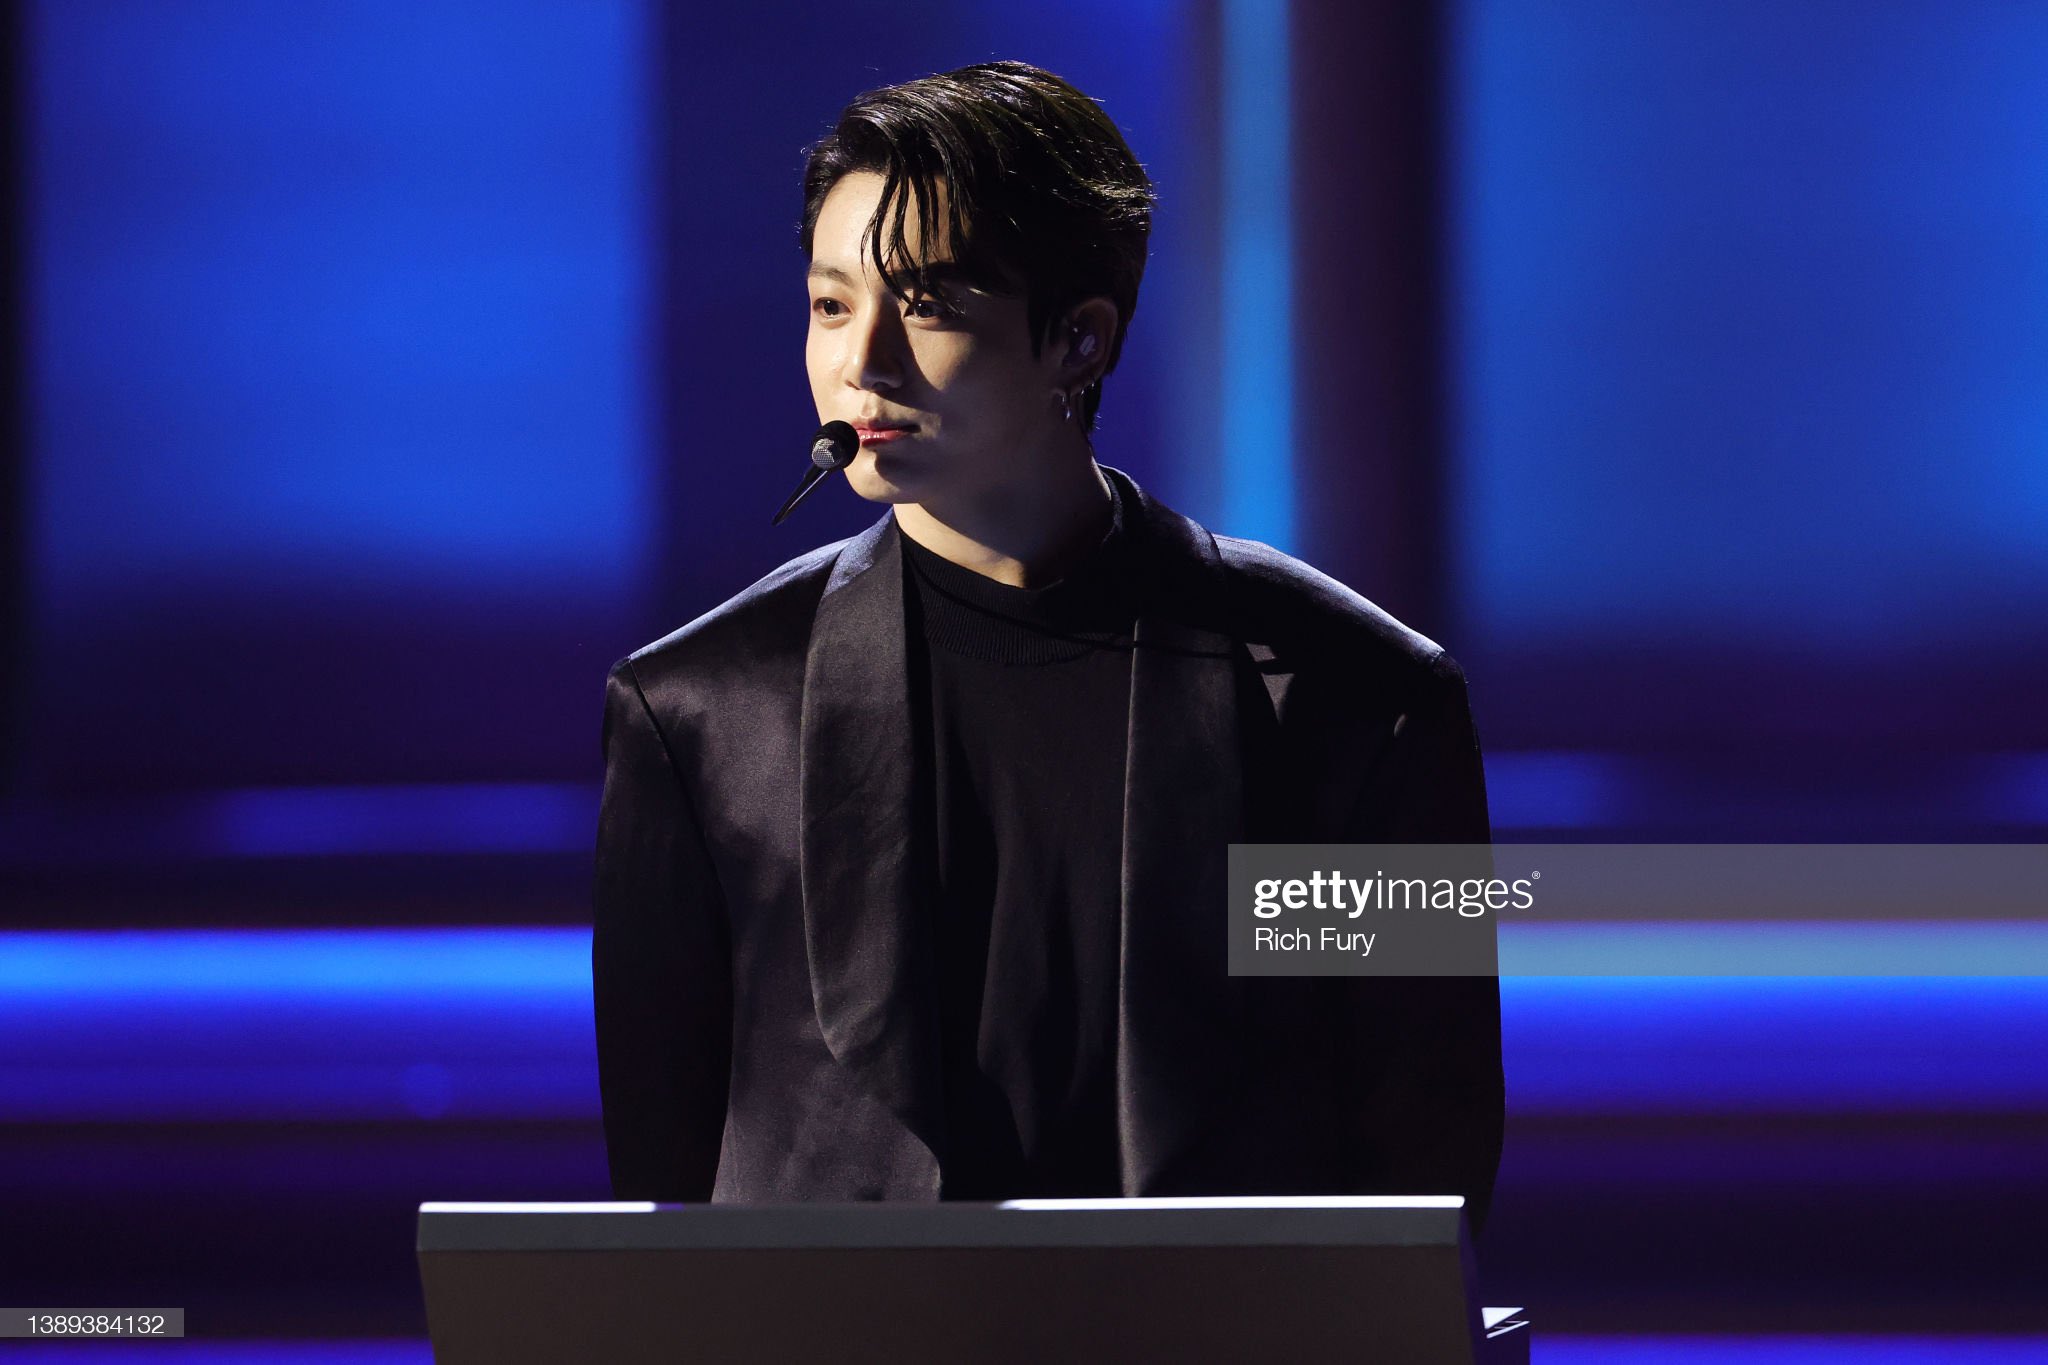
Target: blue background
388,370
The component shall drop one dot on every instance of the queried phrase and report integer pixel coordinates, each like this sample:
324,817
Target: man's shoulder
1298,610
769,617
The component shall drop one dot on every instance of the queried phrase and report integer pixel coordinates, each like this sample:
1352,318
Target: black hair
1043,194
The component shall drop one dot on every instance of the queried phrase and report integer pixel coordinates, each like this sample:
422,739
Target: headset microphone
833,447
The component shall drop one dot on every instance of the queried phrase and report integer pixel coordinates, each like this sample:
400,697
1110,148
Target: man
910,877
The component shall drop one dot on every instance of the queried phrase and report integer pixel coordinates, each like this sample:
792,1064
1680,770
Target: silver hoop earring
1066,406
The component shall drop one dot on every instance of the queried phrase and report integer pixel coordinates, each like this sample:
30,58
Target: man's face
959,370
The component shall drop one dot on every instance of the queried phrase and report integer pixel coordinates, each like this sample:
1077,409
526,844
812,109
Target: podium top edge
1176,1202
1220,1221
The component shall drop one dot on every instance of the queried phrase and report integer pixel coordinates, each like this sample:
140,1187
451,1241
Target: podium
1300,1279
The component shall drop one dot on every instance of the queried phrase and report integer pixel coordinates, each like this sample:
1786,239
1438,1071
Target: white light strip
622,1207
1251,1201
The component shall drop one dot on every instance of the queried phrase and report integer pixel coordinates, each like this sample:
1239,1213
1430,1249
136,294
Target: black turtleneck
1024,700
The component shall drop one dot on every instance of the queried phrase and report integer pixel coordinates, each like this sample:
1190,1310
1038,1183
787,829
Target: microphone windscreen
835,445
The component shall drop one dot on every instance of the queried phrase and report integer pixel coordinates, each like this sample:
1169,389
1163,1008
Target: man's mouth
877,435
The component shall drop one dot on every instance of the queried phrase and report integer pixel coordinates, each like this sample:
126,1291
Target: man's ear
1088,329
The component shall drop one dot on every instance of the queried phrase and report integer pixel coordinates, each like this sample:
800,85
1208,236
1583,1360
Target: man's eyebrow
935,275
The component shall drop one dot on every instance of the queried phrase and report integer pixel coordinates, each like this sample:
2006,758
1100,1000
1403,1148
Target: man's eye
939,310
822,304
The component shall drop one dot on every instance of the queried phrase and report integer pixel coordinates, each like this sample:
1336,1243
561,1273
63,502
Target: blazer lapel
865,922
1179,1011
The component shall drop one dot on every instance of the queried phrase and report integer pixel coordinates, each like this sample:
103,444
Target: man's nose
875,357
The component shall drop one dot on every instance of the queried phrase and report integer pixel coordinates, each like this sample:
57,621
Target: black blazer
762,966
